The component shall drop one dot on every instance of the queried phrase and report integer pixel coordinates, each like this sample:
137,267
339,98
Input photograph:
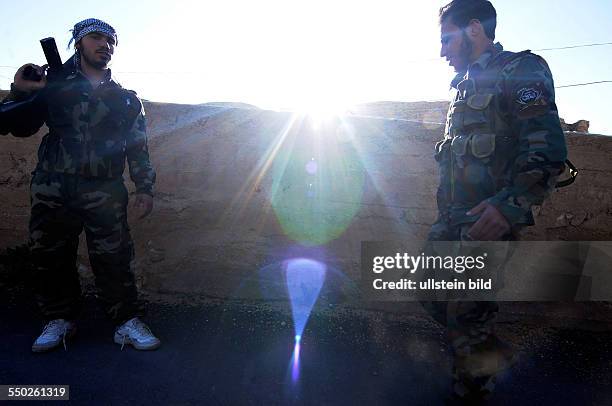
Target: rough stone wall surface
238,193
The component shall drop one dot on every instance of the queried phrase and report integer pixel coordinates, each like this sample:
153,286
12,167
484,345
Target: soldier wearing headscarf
94,126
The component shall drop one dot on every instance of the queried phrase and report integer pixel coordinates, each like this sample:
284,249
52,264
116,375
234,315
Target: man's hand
28,86
143,204
491,226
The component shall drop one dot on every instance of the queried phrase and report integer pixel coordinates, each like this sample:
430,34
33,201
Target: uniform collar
487,56
479,64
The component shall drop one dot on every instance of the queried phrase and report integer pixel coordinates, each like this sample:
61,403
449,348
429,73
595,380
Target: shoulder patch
529,95
532,101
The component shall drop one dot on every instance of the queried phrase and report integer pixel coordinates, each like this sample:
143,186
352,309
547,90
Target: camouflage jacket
91,131
503,140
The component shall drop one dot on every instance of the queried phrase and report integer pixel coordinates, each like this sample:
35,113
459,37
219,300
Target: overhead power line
597,44
583,84
534,50
425,60
573,46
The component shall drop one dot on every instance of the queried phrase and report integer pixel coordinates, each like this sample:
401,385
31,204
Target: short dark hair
461,12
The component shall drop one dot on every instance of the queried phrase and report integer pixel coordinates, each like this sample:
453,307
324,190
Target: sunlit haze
315,56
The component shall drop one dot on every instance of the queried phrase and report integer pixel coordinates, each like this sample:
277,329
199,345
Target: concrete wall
237,188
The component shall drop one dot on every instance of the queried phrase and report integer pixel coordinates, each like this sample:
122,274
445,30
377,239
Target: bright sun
323,108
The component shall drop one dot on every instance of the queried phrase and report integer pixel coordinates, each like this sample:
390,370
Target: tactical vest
478,151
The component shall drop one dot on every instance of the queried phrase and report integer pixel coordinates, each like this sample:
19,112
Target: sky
313,55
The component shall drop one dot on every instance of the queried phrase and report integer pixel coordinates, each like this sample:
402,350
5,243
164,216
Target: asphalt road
237,353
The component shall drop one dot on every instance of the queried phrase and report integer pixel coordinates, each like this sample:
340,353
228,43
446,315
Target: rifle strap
573,174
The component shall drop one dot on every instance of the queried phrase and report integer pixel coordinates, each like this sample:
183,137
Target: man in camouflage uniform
502,152
94,125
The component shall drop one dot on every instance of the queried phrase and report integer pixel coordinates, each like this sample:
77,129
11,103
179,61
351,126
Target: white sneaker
136,333
55,333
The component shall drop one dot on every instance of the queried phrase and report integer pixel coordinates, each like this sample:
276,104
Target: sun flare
323,109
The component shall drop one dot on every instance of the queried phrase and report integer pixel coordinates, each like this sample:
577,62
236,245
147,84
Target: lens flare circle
318,183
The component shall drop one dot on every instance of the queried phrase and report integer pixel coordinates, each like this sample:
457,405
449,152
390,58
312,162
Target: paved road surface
238,353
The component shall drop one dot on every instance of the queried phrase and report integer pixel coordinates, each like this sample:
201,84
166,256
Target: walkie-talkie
53,60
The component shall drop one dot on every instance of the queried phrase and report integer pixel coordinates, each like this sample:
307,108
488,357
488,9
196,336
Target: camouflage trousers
62,206
478,355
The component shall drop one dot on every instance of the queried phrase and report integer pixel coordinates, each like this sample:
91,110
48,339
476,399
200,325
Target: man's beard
93,63
465,52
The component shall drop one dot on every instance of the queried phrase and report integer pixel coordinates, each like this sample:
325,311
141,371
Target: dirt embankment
241,189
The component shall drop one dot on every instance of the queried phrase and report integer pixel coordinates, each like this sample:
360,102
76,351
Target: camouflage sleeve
25,120
141,171
533,117
18,95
